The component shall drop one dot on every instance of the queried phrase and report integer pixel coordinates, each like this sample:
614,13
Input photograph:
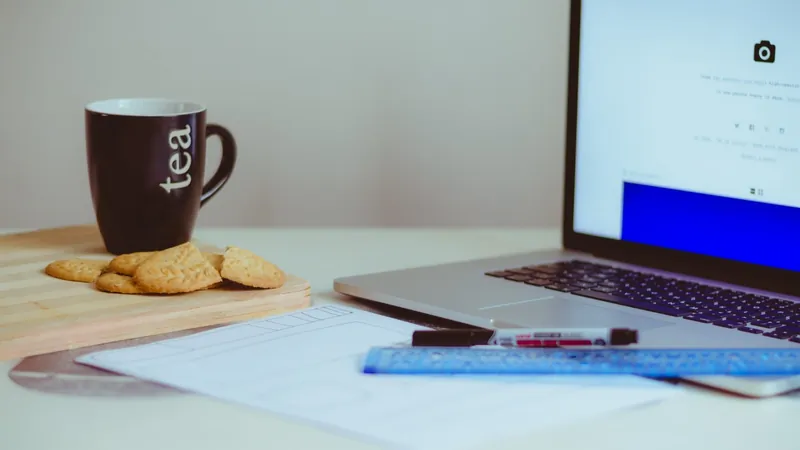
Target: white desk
31,419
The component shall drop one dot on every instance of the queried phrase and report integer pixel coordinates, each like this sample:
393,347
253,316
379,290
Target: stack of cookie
177,270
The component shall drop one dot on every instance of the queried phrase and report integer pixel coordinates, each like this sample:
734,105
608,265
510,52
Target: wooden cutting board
41,314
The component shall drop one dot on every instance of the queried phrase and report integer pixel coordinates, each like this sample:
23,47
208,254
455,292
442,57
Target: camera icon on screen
764,52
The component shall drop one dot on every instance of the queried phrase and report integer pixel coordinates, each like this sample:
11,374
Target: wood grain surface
41,314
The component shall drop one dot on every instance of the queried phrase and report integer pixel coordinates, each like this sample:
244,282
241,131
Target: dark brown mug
146,160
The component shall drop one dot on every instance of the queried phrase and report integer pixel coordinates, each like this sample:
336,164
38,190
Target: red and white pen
525,337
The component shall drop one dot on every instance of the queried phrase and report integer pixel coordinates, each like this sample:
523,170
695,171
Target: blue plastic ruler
552,361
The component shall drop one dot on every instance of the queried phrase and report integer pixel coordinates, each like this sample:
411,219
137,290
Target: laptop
681,195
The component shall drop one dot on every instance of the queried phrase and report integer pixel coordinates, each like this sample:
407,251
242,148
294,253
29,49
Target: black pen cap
450,338
624,336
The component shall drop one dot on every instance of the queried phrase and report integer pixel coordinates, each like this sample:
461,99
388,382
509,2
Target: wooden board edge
201,317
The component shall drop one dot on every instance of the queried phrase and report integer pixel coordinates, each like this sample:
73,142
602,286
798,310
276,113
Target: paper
307,365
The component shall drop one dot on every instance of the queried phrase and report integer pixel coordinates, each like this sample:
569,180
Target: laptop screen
688,127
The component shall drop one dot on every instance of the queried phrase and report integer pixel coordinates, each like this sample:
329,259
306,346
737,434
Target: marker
525,337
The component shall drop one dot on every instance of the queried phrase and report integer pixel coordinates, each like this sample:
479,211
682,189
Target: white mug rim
116,107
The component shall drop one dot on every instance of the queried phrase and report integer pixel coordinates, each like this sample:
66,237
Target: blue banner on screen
742,230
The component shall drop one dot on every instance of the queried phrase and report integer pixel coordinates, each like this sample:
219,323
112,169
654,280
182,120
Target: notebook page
307,365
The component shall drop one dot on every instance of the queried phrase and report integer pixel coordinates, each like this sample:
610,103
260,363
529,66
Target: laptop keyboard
748,313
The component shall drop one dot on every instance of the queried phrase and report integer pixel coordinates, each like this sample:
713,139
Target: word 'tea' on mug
181,161
146,159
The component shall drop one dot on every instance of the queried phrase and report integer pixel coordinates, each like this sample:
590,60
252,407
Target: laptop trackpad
566,312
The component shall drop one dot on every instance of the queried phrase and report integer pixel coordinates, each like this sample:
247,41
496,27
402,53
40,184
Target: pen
524,337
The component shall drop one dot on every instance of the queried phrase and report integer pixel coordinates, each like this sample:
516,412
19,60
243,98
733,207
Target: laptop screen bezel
692,264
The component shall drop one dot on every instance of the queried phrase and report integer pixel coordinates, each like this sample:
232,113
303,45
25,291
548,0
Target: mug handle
226,164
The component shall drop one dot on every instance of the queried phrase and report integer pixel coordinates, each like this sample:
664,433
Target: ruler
657,363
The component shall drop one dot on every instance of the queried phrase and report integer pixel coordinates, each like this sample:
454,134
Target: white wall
346,112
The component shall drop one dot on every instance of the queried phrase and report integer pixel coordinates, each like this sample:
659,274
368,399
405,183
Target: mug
146,160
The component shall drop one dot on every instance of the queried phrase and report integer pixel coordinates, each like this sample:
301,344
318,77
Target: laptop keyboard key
783,332
545,275
538,282
629,302
518,277
727,324
499,274
775,335
545,269
789,330
588,279
562,287
699,318
750,330
605,289
795,339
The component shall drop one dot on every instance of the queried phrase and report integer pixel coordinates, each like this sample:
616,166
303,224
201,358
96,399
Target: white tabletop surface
701,419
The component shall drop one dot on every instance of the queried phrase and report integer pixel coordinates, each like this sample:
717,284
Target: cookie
179,269
78,269
117,284
247,268
126,264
